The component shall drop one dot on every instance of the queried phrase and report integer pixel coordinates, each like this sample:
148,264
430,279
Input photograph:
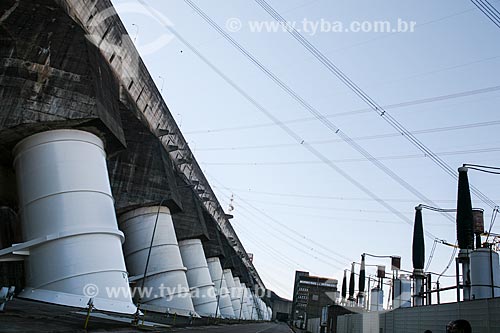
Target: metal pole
147,262
491,274
438,292
251,313
218,294
429,287
457,273
241,306
418,279
369,293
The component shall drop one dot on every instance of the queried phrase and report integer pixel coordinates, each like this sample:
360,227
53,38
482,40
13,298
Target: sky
292,210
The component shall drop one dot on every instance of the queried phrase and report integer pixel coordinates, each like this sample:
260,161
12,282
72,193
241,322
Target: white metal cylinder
221,289
265,314
270,313
165,280
418,284
241,295
198,276
402,292
256,309
233,291
482,264
250,304
377,299
260,312
263,309
67,210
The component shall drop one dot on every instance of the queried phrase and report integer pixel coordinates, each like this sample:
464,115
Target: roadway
242,328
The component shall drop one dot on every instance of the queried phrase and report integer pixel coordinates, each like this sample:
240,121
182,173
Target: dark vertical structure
362,278
351,284
418,256
344,286
418,248
465,220
465,228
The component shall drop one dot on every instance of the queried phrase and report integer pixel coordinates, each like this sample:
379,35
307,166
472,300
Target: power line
367,99
313,111
488,10
285,227
313,196
352,160
285,128
315,207
305,247
356,138
255,238
358,111
288,262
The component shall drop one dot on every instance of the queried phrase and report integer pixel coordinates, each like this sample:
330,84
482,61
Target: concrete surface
29,316
244,328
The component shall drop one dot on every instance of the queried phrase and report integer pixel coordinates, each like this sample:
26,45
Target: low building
282,307
310,295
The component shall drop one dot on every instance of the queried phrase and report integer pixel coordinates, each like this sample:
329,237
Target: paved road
243,328
29,316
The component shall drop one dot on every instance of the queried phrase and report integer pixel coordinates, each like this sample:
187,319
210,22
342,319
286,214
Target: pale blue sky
454,49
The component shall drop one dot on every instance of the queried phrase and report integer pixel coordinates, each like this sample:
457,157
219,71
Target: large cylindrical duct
265,311
198,276
166,274
67,213
241,293
262,308
234,292
485,274
249,303
221,288
256,309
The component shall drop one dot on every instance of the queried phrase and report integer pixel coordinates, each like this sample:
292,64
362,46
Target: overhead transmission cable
431,255
295,263
328,141
300,237
367,99
488,10
284,259
368,110
311,109
326,197
483,168
452,257
352,160
285,128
